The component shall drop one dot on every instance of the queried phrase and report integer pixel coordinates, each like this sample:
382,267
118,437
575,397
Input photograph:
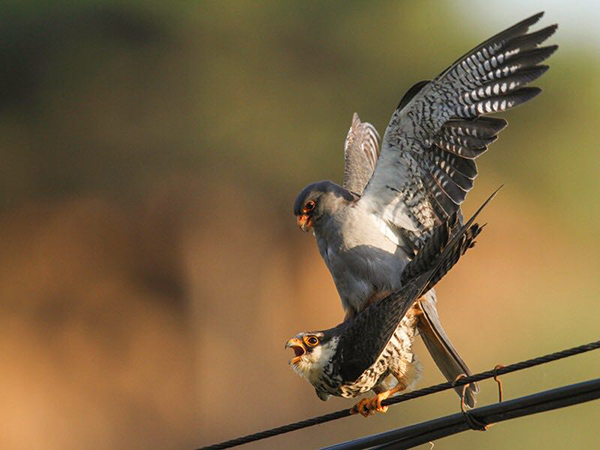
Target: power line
409,396
411,436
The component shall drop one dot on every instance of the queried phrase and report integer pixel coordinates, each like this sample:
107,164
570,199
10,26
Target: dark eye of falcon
310,205
311,341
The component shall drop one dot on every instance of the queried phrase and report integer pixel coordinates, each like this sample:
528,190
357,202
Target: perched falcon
369,229
362,352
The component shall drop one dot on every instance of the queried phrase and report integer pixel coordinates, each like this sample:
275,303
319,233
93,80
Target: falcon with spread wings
368,230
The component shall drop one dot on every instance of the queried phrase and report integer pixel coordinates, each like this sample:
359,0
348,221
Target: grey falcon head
319,200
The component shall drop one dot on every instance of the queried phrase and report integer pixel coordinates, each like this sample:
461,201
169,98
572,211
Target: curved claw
369,406
362,407
365,407
376,403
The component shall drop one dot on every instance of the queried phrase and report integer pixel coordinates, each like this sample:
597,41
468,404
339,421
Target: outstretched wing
427,162
361,151
366,336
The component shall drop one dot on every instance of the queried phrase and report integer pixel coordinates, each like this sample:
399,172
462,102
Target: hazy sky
579,21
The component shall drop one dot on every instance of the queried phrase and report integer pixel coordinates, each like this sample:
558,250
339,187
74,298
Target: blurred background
151,268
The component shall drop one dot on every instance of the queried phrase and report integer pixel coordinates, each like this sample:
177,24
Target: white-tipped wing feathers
427,167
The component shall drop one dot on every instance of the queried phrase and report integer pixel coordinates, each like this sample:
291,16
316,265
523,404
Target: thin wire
409,396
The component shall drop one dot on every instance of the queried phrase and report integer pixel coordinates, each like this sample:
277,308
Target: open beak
298,346
304,222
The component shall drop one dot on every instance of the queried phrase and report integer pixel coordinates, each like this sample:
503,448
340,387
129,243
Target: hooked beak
304,222
298,346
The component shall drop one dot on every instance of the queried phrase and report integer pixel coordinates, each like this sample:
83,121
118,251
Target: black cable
408,396
411,436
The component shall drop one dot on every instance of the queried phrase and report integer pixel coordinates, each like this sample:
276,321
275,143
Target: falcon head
317,200
312,351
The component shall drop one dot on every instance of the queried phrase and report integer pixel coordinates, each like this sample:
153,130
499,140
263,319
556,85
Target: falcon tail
441,349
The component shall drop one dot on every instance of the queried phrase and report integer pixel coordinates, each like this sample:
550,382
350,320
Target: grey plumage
367,234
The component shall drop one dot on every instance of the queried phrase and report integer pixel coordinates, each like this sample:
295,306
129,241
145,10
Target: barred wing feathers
361,151
427,166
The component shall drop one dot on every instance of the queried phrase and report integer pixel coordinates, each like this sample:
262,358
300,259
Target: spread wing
427,162
361,151
364,338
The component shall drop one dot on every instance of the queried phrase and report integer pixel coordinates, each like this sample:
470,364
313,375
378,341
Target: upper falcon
371,227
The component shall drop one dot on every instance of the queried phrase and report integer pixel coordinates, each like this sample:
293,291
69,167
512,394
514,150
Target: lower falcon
363,353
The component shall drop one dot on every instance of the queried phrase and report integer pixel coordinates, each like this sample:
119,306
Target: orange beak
298,346
304,222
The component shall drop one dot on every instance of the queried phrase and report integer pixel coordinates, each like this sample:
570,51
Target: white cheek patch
311,364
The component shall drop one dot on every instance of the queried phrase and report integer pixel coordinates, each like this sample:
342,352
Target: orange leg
368,406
